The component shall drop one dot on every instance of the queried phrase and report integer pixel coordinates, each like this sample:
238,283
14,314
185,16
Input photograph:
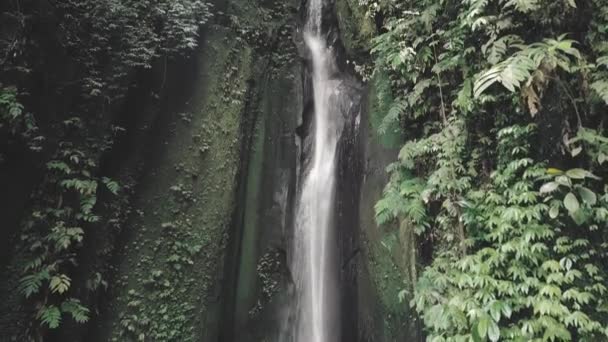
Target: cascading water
314,269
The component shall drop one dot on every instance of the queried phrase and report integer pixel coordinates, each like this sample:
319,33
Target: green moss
186,206
377,111
386,262
268,269
357,28
170,272
388,280
246,295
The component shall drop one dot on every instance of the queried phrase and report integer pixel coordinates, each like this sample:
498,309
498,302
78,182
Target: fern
59,283
13,116
499,48
78,312
30,284
56,165
63,237
518,69
601,89
397,108
10,108
50,316
511,73
112,186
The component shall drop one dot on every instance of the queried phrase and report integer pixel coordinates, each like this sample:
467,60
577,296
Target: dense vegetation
503,175
501,180
65,68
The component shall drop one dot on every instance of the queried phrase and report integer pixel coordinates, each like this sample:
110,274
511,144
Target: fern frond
384,92
30,284
392,117
50,316
112,186
78,311
60,283
496,50
512,72
601,88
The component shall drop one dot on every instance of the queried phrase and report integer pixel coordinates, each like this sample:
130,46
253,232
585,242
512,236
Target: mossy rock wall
384,258
174,275
357,27
174,245
259,283
386,251
383,253
257,288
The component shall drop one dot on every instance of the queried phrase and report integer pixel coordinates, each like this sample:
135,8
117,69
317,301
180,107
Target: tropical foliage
503,104
98,47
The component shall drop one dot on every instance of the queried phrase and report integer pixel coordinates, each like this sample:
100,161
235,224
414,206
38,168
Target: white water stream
314,269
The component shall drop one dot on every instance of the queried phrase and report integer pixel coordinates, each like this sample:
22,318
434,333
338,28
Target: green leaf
482,326
601,88
506,310
30,284
563,180
554,172
579,216
475,335
402,295
495,310
59,284
587,195
548,187
553,212
493,332
577,173
112,186
571,203
78,312
591,175
575,152
51,316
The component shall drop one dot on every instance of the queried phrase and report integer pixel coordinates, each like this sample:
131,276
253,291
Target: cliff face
373,268
384,264
188,264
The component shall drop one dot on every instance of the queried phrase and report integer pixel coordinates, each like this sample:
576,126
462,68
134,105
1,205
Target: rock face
199,261
257,279
350,172
260,290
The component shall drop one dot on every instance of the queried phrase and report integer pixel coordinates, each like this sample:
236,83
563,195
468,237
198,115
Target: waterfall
314,261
